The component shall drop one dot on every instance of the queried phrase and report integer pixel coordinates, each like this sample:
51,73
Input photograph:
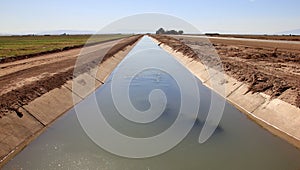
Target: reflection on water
237,143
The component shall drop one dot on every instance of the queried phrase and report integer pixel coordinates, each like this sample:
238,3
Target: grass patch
11,46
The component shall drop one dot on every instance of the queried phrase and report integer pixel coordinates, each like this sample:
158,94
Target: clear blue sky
240,16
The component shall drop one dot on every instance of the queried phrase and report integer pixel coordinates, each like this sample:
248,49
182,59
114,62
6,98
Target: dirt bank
24,80
275,72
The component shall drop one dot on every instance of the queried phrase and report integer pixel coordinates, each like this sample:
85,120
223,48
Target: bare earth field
274,71
270,67
264,37
24,80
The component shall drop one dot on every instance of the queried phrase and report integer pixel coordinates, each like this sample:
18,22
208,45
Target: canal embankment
24,124
279,117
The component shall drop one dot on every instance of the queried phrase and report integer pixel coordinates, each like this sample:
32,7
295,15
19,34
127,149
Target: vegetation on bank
11,46
173,32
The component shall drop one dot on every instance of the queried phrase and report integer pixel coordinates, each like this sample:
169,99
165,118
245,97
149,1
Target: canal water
237,143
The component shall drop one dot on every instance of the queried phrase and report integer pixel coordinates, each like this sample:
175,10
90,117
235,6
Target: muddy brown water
237,143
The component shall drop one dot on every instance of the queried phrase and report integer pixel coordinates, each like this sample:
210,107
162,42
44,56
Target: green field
23,45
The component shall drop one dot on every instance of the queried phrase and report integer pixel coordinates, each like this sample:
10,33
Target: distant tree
160,31
174,32
212,34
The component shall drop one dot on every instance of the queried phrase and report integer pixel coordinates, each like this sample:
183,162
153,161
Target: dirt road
24,80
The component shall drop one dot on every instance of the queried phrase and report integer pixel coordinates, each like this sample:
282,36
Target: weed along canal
151,101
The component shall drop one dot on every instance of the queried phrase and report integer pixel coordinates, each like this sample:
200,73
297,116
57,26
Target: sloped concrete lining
277,116
20,128
109,67
17,132
248,101
284,115
85,84
291,121
46,110
102,71
231,85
